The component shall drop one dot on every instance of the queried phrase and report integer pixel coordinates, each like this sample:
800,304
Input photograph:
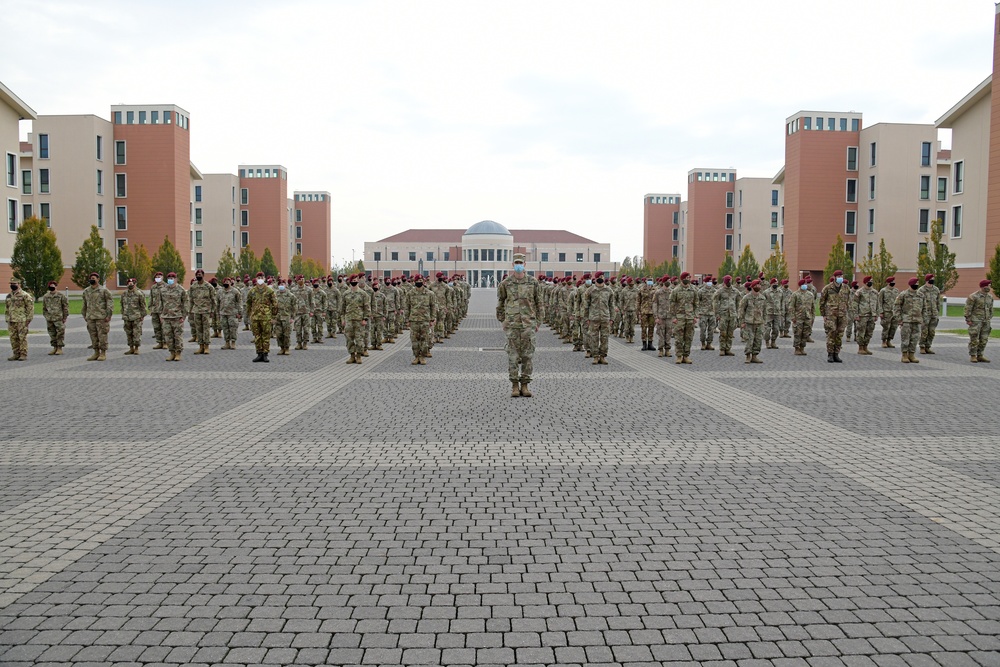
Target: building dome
487,227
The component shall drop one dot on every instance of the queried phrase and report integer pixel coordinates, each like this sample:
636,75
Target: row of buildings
885,181
133,178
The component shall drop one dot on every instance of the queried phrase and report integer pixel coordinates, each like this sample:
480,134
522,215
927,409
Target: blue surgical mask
170,281
649,282
840,279
281,288
587,282
803,287
708,283
519,268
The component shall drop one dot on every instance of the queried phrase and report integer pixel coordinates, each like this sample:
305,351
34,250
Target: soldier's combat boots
525,391
515,389
890,345
928,350
755,360
94,356
747,360
680,359
415,362
177,356
159,346
130,348
283,353
913,359
829,358
981,359
710,347
191,340
170,357
264,358
259,357
421,359
364,353
905,359
298,346
53,351
973,359
603,361
836,358
58,351
204,350
596,361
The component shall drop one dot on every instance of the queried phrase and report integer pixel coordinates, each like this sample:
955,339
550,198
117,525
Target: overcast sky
534,114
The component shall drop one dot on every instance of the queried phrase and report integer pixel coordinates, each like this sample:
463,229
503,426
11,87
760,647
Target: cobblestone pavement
312,512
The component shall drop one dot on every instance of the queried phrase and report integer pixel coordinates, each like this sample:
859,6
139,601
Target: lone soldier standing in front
19,310
978,313
518,305
833,304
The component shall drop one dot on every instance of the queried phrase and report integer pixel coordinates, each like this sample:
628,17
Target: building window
120,185
729,200
43,181
774,197
378,256
924,224
11,170
674,218
45,213
167,117
852,190
26,212
807,123
855,125
100,182
774,220
673,251
413,256
545,256
852,158
872,163
298,248
197,238
942,217
871,187
430,257
942,193
26,182
119,244
12,215
562,257
154,117
729,241
142,118
675,234
849,248
197,216
198,261
394,256
851,227
597,257
959,177
244,239
871,249
579,256
475,255
119,152
43,146
925,187
244,218
118,118
100,147
956,222
729,220
447,256
298,215
197,193
130,118
871,221
100,216
925,154
244,196
774,241
121,218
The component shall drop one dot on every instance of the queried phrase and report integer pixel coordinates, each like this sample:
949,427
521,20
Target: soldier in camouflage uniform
204,303
684,316
216,316
852,312
812,319
154,309
886,301
420,310
597,309
629,303
439,288
20,309
909,312
173,301
978,316
932,313
802,306
647,318
303,313
133,306
391,294
355,311
98,307
866,303
518,305
230,312
706,318
262,304
833,304
772,314
661,313
319,312
379,311
753,314
332,308
281,325
724,306
55,309
786,304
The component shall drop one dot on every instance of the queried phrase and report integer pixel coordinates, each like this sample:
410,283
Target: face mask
518,268
170,281
329,284
375,289
260,281
708,283
600,281
200,278
315,286
868,284
281,288
93,281
131,286
804,287
892,284
353,283
418,284
840,279
52,288
157,279
930,282
649,282
686,281
13,288
588,281
226,285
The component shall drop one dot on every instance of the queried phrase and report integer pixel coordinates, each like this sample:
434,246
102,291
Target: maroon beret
929,276
913,282
685,275
982,283
838,272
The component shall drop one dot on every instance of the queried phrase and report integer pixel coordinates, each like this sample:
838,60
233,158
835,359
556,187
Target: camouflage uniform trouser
173,333
863,329
281,329
157,327
18,338
727,325
800,333
599,331
755,336
577,330
301,326
834,327
889,325
665,331
439,328
849,329
317,326
706,324
217,323
979,333
520,350
420,333
928,330
133,332
201,327
261,330
786,322
772,327
378,331
98,330
628,324
616,327
57,333
399,322
909,335
331,323
647,323
354,333
230,327
683,336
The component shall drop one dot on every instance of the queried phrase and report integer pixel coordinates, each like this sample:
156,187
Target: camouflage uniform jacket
629,300
133,303
834,299
518,301
98,303
909,306
173,302
55,307
356,306
262,303
753,308
725,302
20,307
932,300
979,307
379,304
420,305
154,298
661,303
287,304
303,297
684,302
391,294
802,305
867,302
772,301
440,290
319,300
333,298
887,300
647,297
202,297
230,302
597,304
705,294
786,299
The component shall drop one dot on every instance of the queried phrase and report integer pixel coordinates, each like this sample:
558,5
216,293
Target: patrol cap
929,276
982,283
519,257
838,272
913,282
15,281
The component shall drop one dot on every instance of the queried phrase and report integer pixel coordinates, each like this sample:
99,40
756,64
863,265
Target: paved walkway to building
311,512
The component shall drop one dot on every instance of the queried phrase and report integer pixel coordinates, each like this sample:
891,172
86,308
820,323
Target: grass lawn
955,310
995,333
75,306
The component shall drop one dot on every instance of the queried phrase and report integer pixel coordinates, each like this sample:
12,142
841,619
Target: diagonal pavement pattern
312,512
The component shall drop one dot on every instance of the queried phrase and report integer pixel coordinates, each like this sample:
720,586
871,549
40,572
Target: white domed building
484,253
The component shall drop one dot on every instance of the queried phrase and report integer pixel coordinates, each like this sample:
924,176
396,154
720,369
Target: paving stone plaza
312,512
